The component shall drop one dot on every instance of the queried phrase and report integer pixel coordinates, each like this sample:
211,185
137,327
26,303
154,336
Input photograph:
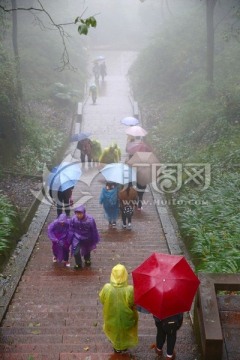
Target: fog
131,23
128,24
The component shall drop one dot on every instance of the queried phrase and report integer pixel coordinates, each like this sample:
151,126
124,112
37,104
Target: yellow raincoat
119,314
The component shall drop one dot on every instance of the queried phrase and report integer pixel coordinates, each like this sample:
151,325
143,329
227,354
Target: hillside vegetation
196,133
35,125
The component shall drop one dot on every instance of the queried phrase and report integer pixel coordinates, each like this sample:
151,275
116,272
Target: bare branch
65,60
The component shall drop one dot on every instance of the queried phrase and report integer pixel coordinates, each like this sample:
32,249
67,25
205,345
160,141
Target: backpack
171,323
127,210
87,147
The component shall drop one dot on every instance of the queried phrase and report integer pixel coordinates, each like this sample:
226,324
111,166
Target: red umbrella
164,285
135,146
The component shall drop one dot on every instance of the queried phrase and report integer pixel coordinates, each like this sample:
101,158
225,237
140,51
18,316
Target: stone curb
167,225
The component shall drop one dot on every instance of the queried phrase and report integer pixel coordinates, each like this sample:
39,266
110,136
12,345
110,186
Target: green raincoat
119,314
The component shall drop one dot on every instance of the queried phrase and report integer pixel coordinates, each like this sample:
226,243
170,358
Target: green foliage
211,224
85,24
63,92
8,218
164,66
189,126
7,89
40,146
40,53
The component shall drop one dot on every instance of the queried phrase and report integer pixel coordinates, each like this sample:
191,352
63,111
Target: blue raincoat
109,199
119,313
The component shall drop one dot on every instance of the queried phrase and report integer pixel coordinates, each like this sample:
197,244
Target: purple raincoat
83,232
58,233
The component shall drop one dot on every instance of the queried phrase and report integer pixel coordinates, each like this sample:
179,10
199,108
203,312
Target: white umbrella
119,173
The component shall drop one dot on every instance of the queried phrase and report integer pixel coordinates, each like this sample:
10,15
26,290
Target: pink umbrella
135,146
136,131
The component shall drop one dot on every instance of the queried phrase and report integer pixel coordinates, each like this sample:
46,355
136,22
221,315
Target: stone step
67,356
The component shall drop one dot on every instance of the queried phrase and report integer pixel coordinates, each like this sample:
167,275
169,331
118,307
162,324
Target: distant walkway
55,313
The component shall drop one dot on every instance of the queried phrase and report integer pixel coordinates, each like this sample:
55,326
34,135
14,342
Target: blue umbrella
119,173
64,176
80,136
130,121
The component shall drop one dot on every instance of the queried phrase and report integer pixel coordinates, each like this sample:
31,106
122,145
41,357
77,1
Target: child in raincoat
58,233
119,313
83,235
128,198
109,199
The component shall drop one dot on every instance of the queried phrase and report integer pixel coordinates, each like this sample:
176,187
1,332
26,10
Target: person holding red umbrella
167,329
165,286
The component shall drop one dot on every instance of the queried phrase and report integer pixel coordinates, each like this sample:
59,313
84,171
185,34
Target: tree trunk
15,48
210,4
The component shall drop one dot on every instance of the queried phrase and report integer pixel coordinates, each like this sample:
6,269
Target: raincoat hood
119,275
81,209
111,195
62,218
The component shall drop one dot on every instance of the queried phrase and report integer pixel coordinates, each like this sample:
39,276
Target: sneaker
159,352
67,264
119,351
88,263
114,223
124,226
171,357
129,226
54,260
78,267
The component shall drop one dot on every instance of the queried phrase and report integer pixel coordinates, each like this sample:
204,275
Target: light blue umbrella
64,176
119,173
80,136
130,121
100,58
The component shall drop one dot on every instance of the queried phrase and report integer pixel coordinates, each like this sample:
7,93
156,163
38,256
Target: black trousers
164,332
62,199
83,157
126,218
78,258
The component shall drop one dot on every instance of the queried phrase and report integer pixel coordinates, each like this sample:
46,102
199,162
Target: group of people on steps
78,236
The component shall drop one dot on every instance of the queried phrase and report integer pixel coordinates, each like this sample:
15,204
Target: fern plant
8,217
